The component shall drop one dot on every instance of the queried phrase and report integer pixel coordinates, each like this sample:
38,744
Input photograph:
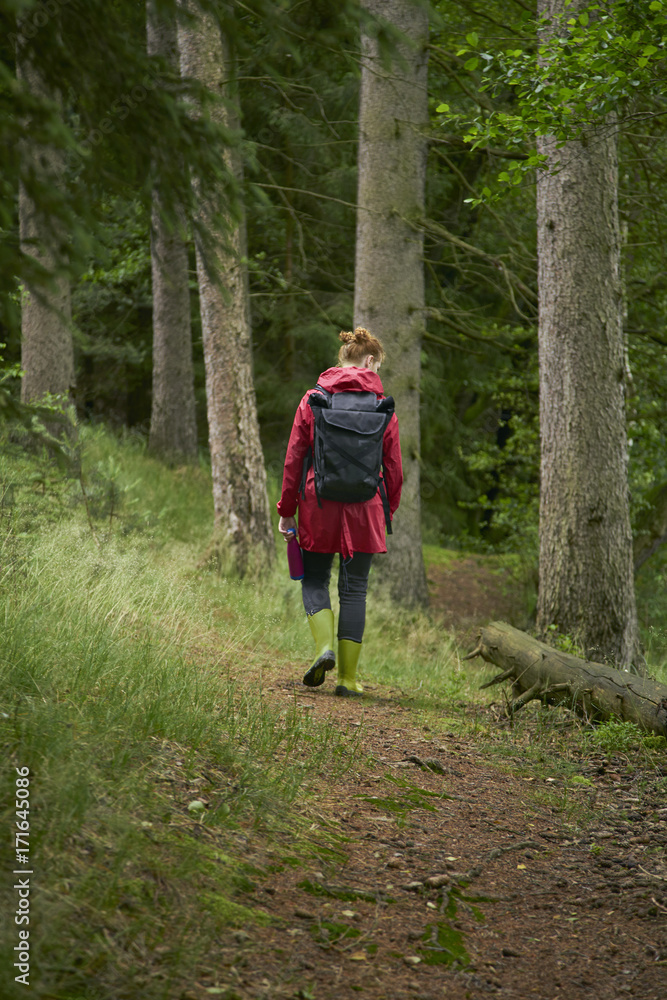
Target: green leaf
583,19
442,108
471,64
472,39
655,6
504,177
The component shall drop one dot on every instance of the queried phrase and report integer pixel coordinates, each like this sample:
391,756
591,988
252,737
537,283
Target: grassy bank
117,667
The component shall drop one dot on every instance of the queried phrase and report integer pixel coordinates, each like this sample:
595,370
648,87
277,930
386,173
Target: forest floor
441,870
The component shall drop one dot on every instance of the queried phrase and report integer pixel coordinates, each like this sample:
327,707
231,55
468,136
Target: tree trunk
389,276
241,506
47,351
594,690
586,575
173,430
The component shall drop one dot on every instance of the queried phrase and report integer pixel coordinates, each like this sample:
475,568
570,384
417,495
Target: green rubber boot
348,656
322,627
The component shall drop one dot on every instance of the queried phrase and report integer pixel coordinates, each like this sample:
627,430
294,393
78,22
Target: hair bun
358,345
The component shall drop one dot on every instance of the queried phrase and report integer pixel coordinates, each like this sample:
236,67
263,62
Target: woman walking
326,527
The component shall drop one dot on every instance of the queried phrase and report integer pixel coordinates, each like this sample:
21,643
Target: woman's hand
286,526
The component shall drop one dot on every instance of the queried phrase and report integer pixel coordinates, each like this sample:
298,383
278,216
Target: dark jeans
352,587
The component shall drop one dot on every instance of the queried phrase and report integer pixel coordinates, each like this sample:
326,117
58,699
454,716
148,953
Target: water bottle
294,558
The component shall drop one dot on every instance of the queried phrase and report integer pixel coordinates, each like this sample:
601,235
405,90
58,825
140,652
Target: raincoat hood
350,378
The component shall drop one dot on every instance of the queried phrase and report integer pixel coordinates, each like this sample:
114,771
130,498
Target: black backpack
347,446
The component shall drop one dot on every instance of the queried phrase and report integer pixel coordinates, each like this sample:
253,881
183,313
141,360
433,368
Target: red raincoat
335,526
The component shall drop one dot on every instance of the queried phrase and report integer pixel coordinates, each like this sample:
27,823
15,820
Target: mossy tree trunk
586,568
173,430
241,506
47,350
389,275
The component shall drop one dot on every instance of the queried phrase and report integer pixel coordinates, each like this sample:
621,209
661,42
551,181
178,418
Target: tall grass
117,692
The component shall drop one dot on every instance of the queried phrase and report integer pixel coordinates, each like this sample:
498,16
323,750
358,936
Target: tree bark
241,507
596,691
586,575
389,276
47,350
173,430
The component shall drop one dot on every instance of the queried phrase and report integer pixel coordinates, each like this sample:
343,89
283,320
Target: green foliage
651,588
583,68
481,299
301,191
566,643
617,737
116,130
296,123
112,318
510,97
43,423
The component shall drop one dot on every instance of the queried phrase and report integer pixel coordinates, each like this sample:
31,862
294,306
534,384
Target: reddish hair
358,345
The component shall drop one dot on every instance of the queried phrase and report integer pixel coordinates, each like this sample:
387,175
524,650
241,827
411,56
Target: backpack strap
308,458
386,405
347,459
385,505
324,392
307,462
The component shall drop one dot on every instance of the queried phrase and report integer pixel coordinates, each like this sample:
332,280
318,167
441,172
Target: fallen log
593,690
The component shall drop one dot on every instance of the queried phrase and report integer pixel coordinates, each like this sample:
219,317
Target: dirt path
446,879
444,875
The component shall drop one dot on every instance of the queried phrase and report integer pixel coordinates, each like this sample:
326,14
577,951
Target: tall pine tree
47,351
586,586
241,507
389,275
173,430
